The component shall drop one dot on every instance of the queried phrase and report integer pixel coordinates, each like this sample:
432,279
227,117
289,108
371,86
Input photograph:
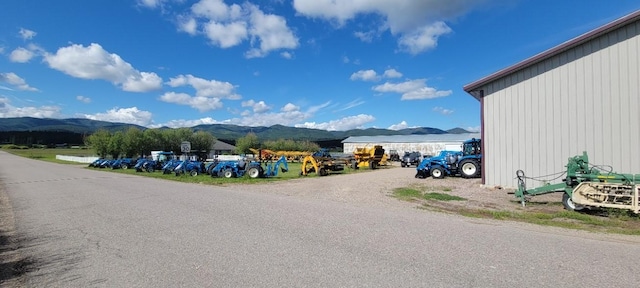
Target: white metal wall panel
583,99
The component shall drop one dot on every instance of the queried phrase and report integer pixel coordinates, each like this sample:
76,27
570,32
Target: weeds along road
90,228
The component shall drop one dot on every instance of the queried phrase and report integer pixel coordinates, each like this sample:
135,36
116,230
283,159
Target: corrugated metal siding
584,99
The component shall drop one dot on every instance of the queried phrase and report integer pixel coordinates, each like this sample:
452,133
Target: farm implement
369,157
322,163
585,186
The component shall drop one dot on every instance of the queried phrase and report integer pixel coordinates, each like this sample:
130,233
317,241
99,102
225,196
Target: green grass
425,193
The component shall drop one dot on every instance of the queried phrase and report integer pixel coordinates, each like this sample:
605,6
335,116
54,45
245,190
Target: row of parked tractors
169,163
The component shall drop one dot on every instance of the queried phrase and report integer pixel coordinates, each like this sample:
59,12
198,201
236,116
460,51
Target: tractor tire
568,203
437,172
254,172
402,164
354,164
469,168
229,173
323,172
373,165
194,172
124,166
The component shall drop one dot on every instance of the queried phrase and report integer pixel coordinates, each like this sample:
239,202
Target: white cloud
226,35
365,75
7,110
415,21
93,62
21,55
15,80
186,123
257,107
188,25
412,90
151,3
199,103
286,55
271,31
392,73
230,25
442,110
347,123
399,126
83,99
206,88
124,115
27,34
352,104
423,38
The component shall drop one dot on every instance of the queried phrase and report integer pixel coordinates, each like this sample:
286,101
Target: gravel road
89,228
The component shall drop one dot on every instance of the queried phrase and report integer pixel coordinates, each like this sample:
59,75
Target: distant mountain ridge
220,131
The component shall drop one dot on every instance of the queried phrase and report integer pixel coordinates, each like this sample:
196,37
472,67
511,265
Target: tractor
585,186
188,167
157,163
271,168
466,163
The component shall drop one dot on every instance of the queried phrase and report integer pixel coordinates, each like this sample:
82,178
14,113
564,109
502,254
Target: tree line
134,142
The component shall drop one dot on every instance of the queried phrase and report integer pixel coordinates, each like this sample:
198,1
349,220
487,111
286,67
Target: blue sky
326,64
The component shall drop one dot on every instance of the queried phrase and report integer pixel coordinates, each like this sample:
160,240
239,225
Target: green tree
153,140
243,144
115,144
99,141
202,141
133,142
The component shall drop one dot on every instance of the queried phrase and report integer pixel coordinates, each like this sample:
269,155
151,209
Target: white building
428,144
583,95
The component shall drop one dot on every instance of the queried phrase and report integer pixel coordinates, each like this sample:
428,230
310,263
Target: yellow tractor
369,157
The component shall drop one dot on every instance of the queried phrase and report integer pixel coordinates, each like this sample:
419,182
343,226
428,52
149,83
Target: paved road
92,228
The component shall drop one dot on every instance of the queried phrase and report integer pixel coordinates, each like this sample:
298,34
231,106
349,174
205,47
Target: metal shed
583,95
429,144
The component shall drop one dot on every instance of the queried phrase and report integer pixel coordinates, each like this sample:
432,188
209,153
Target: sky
324,64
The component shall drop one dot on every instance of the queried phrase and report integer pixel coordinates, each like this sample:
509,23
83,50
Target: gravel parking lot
375,188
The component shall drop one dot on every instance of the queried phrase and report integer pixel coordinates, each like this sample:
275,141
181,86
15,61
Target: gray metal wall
584,99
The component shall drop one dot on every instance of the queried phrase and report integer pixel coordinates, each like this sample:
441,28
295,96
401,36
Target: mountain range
220,131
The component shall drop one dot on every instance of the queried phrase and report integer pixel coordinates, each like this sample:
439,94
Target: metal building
583,95
429,144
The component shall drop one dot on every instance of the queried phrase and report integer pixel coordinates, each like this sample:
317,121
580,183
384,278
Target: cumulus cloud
257,107
130,115
21,55
418,23
199,103
412,90
206,88
346,123
399,126
423,38
16,81
7,110
365,75
442,110
93,62
186,123
83,99
27,34
230,25
392,73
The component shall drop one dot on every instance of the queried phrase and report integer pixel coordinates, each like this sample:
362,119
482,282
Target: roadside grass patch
425,193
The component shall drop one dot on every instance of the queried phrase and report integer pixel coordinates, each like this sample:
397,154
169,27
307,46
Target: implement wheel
568,203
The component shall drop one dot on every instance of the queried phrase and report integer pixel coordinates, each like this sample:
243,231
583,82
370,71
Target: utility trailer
585,186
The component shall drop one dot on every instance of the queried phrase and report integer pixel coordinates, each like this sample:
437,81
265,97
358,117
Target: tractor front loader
587,187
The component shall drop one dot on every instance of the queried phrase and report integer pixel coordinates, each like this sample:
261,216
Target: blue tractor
466,163
234,169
